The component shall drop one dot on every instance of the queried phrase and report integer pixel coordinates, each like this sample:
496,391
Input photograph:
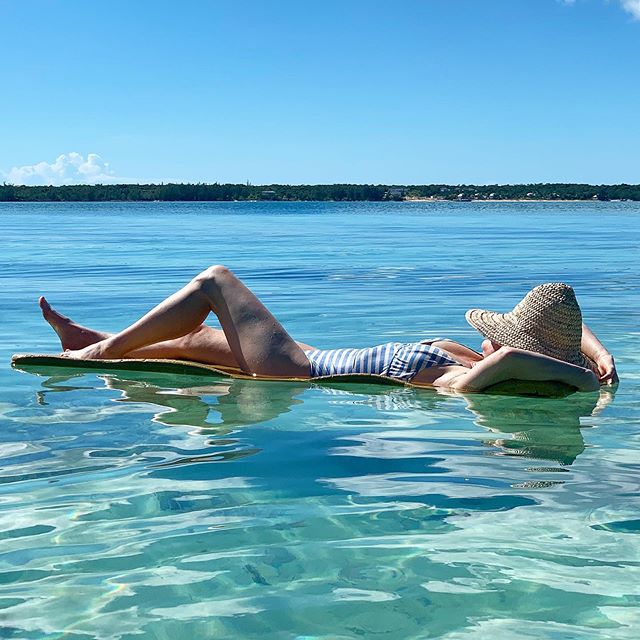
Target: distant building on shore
395,193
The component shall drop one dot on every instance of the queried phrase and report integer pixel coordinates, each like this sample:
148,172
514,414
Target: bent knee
211,274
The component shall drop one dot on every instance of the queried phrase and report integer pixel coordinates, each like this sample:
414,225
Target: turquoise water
148,506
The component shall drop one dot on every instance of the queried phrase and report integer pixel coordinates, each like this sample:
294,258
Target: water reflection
224,405
537,428
390,520
540,428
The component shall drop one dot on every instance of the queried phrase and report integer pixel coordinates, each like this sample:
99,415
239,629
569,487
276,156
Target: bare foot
72,335
97,351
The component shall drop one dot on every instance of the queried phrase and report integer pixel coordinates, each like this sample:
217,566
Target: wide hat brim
505,329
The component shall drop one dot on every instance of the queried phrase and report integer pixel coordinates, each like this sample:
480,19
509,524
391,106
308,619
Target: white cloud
68,168
632,6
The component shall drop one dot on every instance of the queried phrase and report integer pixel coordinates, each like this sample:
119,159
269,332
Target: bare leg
204,344
71,334
257,340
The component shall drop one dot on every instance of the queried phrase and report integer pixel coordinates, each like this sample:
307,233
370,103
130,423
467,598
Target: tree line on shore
174,192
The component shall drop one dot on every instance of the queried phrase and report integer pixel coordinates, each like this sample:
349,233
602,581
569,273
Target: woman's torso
422,362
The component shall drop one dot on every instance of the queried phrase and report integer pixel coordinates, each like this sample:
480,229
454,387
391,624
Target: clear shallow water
150,506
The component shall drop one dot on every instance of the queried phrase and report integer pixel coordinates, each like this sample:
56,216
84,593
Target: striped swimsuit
393,360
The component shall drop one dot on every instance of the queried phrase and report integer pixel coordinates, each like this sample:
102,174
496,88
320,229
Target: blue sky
411,91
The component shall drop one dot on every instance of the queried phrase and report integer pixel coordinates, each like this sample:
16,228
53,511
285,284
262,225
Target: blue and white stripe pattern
393,359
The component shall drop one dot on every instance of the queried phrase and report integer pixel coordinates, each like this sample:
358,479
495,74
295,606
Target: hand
607,373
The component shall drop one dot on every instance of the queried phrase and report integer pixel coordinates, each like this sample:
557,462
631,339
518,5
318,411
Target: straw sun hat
547,320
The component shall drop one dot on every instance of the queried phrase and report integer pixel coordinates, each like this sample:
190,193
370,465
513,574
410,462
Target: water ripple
139,505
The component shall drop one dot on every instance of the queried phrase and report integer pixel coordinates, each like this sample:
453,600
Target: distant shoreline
512,200
399,202
215,192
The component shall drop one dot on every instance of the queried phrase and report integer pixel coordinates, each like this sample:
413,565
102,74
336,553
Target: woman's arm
517,364
594,349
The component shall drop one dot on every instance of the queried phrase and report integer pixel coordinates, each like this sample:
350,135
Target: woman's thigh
205,344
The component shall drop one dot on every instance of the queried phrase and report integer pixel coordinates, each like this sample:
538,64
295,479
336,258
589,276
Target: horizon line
324,184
